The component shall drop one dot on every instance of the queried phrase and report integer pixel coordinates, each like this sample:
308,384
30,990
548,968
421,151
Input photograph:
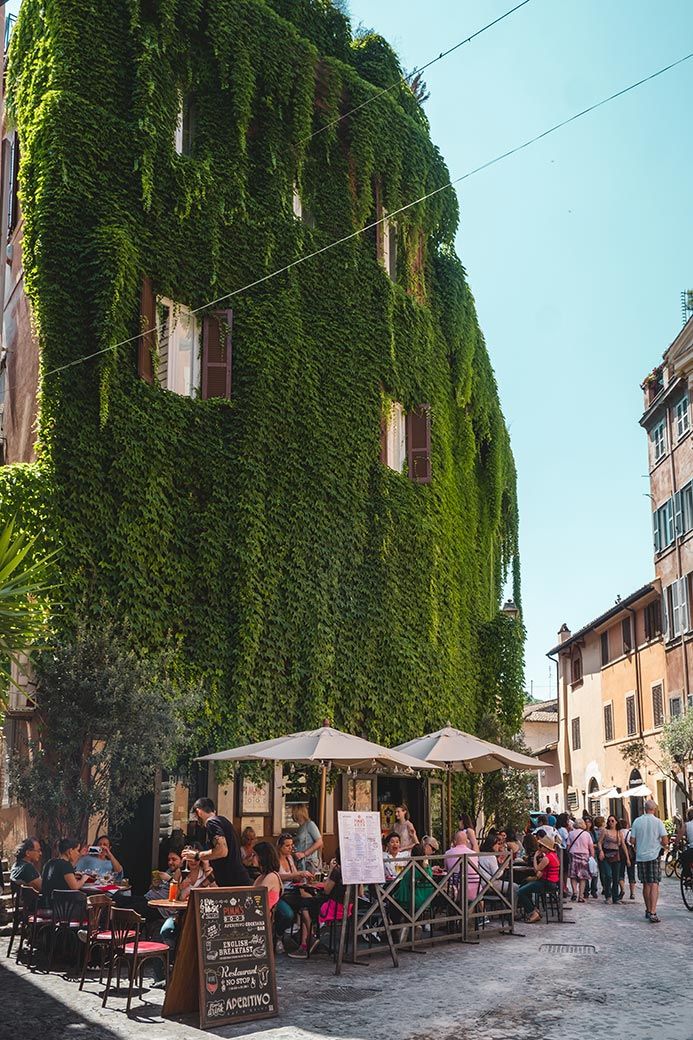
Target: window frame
627,635
604,648
575,736
682,416
608,714
576,672
396,438
658,437
631,730
673,699
658,716
171,340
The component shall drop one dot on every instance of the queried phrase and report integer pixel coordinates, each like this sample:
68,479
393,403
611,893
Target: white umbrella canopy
450,748
641,791
327,747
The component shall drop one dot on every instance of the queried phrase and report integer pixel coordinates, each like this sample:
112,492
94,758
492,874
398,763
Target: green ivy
304,578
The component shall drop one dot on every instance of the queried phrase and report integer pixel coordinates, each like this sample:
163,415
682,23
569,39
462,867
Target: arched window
594,805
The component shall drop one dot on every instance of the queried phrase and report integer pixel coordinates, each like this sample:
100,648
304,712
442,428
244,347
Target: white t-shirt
646,831
689,833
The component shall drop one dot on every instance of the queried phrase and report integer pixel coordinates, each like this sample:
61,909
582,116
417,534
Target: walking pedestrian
596,828
649,836
627,865
611,847
580,848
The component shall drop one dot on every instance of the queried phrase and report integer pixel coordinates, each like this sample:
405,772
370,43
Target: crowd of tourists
596,858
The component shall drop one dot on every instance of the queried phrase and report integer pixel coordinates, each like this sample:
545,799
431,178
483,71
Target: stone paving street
507,988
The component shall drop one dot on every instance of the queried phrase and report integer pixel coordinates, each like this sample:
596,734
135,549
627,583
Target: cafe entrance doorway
396,790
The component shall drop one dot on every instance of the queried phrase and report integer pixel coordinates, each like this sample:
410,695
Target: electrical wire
416,72
368,227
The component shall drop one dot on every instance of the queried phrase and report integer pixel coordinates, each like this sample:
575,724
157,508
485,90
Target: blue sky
576,250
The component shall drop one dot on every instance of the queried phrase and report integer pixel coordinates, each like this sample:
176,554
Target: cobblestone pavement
506,988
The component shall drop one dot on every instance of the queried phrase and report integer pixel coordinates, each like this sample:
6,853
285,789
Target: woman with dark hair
269,878
59,873
611,845
467,824
27,858
627,861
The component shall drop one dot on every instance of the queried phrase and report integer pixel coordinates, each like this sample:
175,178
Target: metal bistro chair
16,917
127,947
31,920
98,933
69,914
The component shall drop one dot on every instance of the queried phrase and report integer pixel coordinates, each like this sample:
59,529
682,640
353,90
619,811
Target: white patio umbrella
456,751
328,748
641,791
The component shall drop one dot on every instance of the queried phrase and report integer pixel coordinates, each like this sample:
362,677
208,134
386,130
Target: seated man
25,870
453,862
102,863
200,876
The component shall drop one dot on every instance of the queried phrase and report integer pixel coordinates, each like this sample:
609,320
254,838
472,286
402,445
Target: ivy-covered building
303,473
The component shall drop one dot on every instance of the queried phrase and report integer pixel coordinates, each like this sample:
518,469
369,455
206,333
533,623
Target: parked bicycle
672,859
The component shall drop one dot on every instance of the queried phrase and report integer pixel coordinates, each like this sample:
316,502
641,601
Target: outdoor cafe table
169,904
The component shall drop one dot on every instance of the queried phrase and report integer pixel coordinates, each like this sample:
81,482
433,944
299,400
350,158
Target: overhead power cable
416,72
368,227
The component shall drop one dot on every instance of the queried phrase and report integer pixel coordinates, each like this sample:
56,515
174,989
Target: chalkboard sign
235,955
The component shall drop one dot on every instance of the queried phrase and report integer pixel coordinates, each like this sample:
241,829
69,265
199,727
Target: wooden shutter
419,443
216,354
147,342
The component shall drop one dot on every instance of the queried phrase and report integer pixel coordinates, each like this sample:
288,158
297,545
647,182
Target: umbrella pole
323,799
449,834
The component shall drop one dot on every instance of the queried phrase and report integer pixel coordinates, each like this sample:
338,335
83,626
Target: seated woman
248,857
423,886
270,878
324,907
491,856
547,875
292,877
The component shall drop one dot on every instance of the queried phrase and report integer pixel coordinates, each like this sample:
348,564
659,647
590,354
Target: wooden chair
98,932
31,920
69,915
127,947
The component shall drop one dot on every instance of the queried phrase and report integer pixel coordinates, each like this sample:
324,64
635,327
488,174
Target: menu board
235,955
361,849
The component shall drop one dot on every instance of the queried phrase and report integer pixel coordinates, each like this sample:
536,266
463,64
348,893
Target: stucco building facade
611,692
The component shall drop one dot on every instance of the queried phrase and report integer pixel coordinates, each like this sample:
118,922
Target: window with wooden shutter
657,706
419,443
575,733
608,722
631,721
147,341
627,638
605,649
216,354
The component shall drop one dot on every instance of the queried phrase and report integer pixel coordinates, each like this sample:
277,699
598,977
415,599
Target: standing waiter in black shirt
224,852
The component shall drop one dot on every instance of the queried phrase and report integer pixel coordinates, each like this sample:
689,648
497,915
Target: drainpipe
566,748
679,567
638,683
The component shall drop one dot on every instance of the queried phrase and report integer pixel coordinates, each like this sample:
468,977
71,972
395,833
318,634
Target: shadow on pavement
24,1002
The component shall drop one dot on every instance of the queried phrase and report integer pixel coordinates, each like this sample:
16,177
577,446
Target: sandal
581,900
654,919
573,898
